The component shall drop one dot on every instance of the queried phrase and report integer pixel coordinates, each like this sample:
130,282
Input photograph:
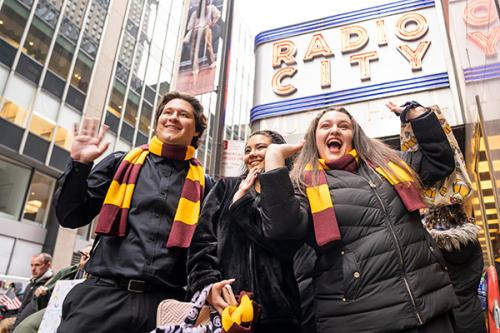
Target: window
13,18
13,113
116,101
14,180
61,57
145,121
39,195
82,72
38,40
131,109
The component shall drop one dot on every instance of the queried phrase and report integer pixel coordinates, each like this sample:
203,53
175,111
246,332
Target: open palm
86,146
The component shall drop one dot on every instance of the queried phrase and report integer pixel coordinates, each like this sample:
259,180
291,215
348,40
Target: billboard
200,44
361,59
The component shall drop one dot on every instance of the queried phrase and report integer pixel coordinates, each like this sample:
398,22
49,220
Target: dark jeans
97,306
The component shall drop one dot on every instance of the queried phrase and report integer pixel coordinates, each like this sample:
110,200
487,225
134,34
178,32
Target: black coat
229,243
28,307
464,258
386,274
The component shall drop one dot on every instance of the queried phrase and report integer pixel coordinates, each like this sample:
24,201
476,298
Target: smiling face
176,124
255,151
334,135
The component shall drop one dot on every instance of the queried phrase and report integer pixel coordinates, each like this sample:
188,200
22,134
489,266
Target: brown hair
369,150
199,118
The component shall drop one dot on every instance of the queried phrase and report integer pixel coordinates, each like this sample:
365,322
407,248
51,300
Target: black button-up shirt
142,254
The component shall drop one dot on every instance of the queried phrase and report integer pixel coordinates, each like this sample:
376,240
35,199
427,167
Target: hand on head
278,153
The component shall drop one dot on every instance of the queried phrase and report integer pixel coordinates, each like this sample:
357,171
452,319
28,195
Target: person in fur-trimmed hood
456,236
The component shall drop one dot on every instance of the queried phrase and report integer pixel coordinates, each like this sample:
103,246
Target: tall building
61,60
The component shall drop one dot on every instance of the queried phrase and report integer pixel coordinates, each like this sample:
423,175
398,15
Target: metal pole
220,110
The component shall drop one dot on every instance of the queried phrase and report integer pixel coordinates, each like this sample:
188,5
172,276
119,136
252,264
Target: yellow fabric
397,170
121,194
196,173
187,211
319,198
242,313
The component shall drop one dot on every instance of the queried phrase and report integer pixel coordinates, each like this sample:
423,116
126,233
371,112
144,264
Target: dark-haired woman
357,203
229,244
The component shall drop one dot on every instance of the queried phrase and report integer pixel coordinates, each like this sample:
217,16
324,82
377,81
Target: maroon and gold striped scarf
326,228
114,212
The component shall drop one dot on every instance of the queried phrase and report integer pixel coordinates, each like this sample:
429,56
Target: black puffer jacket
464,258
386,274
229,243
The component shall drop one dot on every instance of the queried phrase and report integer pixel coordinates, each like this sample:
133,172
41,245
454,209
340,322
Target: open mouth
334,145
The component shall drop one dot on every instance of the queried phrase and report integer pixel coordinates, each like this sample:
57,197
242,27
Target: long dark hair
369,150
275,138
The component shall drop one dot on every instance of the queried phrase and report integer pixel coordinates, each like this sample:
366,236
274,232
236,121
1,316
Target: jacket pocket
351,275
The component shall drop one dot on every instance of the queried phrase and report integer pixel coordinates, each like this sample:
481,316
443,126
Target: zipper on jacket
398,250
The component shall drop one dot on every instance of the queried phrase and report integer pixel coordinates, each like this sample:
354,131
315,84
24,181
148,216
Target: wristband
407,107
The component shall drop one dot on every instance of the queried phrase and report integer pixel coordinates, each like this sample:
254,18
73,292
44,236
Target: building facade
435,52
60,61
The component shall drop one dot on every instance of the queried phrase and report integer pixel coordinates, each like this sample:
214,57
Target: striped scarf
326,228
114,212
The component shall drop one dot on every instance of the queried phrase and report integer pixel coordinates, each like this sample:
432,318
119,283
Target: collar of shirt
178,165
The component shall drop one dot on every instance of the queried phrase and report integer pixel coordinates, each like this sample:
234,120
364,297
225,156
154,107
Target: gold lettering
284,51
479,13
280,89
353,38
487,43
418,32
415,56
325,74
317,47
381,34
363,59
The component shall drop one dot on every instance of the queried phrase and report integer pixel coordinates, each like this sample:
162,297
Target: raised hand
86,146
247,183
411,114
394,107
276,154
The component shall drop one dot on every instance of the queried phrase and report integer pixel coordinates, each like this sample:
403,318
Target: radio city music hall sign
351,42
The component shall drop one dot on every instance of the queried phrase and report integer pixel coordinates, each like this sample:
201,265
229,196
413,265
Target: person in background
357,203
148,201
41,272
229,244
200,29
456,236
43,293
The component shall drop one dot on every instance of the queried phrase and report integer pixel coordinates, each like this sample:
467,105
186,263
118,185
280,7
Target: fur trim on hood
454,238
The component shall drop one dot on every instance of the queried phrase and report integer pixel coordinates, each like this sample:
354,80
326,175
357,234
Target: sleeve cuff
81,168
276,186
